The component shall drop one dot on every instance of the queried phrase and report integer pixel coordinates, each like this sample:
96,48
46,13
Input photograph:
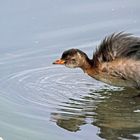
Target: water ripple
52,89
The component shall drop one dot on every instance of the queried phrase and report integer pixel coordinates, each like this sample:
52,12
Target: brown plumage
116,60
117,46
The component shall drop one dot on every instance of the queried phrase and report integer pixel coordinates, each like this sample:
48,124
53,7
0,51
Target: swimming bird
116,60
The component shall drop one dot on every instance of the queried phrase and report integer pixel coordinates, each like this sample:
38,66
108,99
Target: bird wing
120,45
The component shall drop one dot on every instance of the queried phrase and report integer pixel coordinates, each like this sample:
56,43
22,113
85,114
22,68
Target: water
39,101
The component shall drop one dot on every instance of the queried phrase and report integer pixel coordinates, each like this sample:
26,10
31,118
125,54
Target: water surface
40,101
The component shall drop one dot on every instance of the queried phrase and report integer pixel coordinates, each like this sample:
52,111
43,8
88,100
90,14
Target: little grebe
115,62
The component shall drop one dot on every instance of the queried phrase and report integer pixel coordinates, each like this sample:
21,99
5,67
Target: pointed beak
60,62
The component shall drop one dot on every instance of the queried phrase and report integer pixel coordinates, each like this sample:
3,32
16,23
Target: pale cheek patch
79,57
70,66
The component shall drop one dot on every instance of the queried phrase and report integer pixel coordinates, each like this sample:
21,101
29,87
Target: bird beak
60,62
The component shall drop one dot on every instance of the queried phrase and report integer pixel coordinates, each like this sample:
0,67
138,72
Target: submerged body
115,62
118,73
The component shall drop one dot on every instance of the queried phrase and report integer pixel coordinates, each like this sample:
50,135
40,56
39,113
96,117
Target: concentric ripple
49,88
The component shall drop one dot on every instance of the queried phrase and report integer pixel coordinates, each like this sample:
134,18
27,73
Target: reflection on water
116,113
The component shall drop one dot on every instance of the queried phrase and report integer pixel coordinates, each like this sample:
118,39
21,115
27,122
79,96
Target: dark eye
73,60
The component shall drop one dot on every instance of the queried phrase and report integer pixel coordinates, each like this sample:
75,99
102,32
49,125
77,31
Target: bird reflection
115,113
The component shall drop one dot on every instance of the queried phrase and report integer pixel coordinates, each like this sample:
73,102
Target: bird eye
73,60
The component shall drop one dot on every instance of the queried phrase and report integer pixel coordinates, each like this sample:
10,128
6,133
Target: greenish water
39,101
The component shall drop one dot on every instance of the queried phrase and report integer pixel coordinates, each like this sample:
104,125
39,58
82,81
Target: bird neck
86,64
89,68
